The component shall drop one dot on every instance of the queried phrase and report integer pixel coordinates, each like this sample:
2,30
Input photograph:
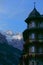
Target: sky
14,12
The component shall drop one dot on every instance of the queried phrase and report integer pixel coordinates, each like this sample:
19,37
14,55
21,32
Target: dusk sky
14,12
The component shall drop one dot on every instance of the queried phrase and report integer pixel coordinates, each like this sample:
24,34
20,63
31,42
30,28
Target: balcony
33,50
40,40
35,54
34,40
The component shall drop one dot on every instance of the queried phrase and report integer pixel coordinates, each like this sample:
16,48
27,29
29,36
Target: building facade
33,37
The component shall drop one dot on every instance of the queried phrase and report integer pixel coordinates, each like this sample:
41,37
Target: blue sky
14,12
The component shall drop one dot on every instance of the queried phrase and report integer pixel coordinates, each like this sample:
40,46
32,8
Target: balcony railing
33,40
35,53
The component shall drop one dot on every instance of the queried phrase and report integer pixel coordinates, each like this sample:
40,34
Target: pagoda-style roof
34,15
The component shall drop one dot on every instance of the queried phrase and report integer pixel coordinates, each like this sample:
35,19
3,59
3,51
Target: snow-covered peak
19,36
14,39
11,35
9,32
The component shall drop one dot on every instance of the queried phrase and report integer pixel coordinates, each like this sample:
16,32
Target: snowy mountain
16,40
10,48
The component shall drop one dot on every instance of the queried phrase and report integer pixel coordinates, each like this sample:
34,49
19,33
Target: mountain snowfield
15,39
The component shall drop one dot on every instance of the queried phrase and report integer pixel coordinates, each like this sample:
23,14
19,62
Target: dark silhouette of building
33,37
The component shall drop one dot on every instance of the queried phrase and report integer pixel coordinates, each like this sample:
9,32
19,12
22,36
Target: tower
33,37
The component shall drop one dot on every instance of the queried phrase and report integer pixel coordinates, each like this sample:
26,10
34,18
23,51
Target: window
32,24
32,62
32,36
40,36
40,50
41,24
32,49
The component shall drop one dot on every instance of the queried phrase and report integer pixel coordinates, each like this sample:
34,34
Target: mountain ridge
9,55
14,39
